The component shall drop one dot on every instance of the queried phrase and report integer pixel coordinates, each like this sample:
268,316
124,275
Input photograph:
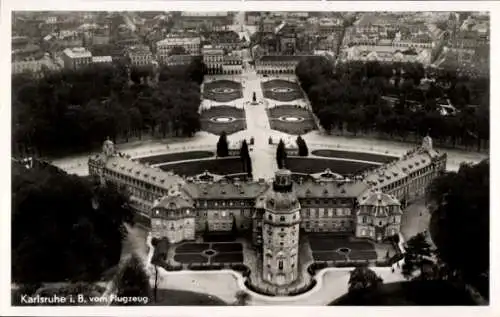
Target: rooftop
77,52
102,59
179,41
151,175
225,190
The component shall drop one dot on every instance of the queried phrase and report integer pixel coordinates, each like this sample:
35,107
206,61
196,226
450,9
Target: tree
242,298
301,144
244,154
355,93
281,154
222,145
76,109
417,256
362,278
78,245
249,169
133,281
460,220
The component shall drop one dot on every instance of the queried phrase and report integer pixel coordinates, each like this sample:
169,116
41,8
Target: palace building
364,206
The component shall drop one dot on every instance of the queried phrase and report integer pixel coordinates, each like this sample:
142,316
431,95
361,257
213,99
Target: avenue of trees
64,228
75,110
353,97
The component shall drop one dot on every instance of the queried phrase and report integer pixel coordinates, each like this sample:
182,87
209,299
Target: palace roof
313,189
175,200
151,175
379,204
412,161
225,190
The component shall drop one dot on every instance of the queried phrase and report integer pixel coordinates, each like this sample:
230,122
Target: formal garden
291,119
281,90
326,247
303,165
212,253
175,157
220,119
220,166
222,90
361,156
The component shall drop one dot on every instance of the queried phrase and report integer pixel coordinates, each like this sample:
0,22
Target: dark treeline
64,228
460,220
76,110
353,97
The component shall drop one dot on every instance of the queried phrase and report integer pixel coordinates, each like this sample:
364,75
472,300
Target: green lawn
354,155
316,165
425,293
174,157
221,166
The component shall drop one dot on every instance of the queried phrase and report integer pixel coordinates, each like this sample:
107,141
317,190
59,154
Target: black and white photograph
249,158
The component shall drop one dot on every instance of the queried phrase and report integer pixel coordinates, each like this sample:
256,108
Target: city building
139,55
277,64
179,60
102,60
63,39
27,51
218,61
364,206
228,40
211,21
384,53
191,45
37,68
76,58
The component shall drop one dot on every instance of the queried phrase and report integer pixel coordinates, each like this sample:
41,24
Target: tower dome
108,147
283,181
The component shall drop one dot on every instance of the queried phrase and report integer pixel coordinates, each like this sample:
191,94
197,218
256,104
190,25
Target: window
280,265
270,217
282,218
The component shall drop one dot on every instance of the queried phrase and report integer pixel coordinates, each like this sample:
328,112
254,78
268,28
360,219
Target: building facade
76,58
218,62
164,48
139,55
366,206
